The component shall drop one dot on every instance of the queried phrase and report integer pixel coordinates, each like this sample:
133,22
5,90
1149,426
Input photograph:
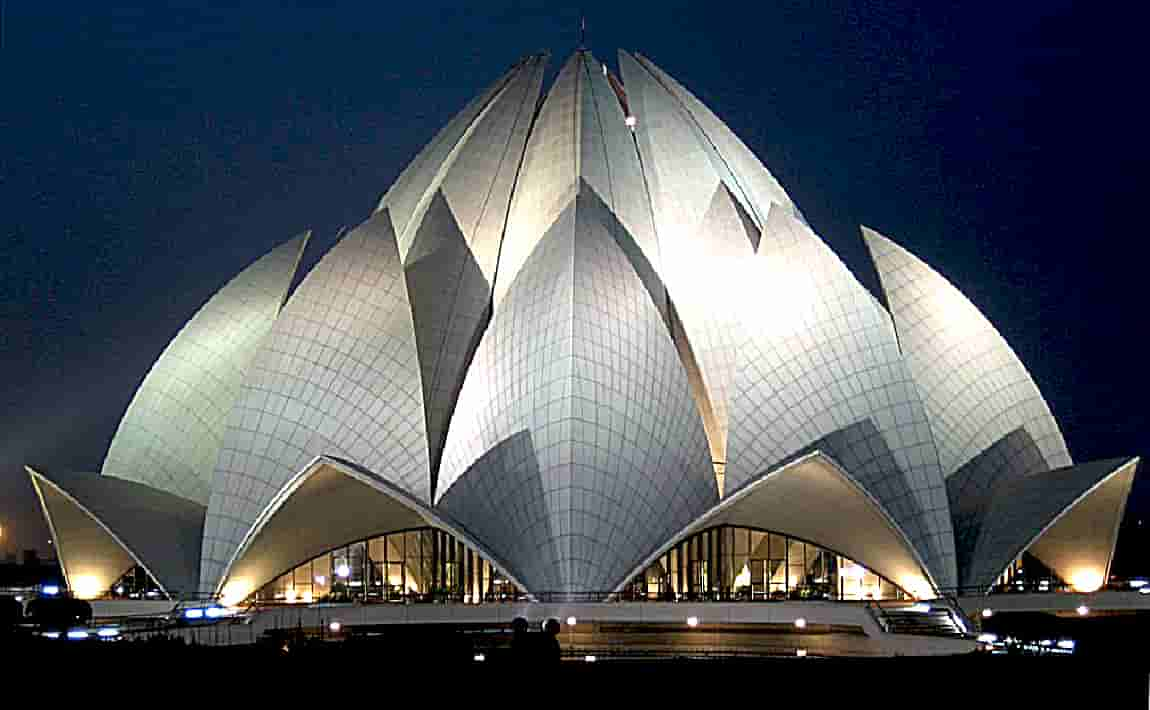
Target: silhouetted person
549,651
520,641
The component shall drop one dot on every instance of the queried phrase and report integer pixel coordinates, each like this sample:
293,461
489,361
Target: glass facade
421,565
729,563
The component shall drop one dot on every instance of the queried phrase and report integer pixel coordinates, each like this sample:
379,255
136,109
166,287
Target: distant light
1083,610
590,659
692,621
571,621
920,608
50,590
78,634
1137,583
1045,642
630,121
480,657
19,597
120,589
334,627
193,613
987,613
109,632
51,634
343,571
801,652
987,638
320,579
1067,644
800,623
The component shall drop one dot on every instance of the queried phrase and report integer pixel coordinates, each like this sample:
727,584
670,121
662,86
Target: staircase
934,619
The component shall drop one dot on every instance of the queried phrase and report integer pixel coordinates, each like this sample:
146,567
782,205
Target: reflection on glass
730,563
423,565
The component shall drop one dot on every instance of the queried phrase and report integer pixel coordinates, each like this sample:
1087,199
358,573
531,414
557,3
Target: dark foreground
957,681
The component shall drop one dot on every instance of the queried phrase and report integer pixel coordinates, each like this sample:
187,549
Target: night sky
147,154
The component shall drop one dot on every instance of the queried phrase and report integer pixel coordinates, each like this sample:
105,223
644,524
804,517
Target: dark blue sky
148,153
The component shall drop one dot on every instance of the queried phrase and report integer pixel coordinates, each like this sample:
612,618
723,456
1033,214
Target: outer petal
171,434
821,364
338,375
975,389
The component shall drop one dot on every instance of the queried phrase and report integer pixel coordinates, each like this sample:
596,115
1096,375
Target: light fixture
480,657
320,579
78,634
109,632
334,627
51,634
1083,610
692,621
987,613
213,612
193,613
343,571
571,621
801,652
800,623
50,590
590,659
630,121
987,638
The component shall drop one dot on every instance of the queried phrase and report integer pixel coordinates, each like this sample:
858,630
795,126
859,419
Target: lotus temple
587,357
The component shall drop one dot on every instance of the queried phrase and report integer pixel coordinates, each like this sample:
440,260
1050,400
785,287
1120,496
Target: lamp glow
987,613
78,635
1086,580
50,590
107,633
590,659
571,621
193,613
480,657
335,627
692,621
235,591
801,652
343,571
800,623
1083,610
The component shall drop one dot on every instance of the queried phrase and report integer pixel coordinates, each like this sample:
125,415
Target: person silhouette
549,651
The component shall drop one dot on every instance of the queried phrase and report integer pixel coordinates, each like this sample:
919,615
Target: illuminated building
586,346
